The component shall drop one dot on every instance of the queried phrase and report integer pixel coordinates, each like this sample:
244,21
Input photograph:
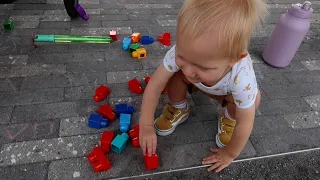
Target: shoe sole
169,131
218,142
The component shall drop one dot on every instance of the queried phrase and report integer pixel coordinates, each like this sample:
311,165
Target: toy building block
147,79
125,122
113,35
82,12
107,112
165,39
101,93
135,86
118,144
151,162
98,160
147,40
126,43
135,142
96,121
133,47
135,37
8,25
139,53
105,141
124,108
134,135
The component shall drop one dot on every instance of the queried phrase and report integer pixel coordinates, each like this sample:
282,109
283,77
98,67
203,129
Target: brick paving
46,93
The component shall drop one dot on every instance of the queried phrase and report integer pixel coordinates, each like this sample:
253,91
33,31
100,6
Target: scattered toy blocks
124,108
134,135
118,144
98,160
165,39
151,162
147,79
107,112
96,121
126,43
101,93
8,25
133,47
135,37
139,53
125,122
146,40
82,12
105,141
135,86
113,35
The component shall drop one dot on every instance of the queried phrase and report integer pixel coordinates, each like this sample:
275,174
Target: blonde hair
236,20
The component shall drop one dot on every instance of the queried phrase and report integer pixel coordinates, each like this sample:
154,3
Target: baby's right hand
148,139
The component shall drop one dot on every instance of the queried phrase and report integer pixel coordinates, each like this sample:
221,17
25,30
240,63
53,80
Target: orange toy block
135,37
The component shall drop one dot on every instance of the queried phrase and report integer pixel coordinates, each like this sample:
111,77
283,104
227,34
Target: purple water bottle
288,35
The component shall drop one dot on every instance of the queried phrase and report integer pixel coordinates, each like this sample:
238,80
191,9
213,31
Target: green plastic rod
70,38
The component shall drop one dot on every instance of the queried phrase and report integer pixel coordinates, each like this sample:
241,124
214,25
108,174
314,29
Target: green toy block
119,143
8,25
133,47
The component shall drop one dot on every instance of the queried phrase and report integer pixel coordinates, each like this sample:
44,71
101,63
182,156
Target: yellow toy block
139,53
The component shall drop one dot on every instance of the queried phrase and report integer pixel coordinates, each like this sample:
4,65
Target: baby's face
201,60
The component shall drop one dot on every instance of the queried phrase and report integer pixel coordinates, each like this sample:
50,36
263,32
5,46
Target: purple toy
82,12
288,35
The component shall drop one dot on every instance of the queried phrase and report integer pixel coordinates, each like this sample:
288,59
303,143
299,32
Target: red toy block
135,86
135,142
105,141
101,93
147,79
151,162
134,132
107,112
113,35
165,39
98,160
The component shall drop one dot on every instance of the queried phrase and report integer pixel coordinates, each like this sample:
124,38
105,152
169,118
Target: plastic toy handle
44,38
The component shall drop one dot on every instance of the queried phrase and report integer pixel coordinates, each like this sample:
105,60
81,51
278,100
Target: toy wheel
70,7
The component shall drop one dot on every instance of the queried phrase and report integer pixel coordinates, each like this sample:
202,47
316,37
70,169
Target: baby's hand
148,139
220,160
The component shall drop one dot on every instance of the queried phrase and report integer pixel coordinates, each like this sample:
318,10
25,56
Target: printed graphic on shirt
169,60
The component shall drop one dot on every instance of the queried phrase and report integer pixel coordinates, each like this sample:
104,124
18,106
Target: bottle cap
303,11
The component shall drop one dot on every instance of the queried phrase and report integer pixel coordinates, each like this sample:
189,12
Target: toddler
210,55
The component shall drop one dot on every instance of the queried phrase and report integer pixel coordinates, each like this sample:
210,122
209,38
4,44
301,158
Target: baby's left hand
220,160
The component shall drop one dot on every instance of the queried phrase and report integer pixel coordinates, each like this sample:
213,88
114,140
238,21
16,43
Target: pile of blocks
109,141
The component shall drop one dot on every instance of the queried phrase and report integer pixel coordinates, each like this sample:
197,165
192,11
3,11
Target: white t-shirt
240,81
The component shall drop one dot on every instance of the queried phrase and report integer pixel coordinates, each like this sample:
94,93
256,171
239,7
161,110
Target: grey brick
165,11
314,102
303,76
26,12
266,69
125,76
303,120
269,123
47,48
14,60
131,23
87,24
285,141
118,17
24,18
100,31
103,6
38,6
29,131
263,30
26,24
31,70
46,150
10,84
79,92
49,24
167,22
140,12
293,90
28,171
63,80
28,113
6,6
27,32
80,2
18,41
62,58
311,65
272,79
153,63
306,56
5,114
200,98
284,106
49,17
137,17
147,6
36,96
202,113
31,1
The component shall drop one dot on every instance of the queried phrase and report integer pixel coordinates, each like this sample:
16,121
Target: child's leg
177,111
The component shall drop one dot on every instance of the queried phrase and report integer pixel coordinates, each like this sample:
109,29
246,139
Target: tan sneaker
170,118
225,130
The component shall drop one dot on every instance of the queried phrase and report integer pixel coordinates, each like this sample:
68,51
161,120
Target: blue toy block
126,43
125,122
96,121
124,108
146,40
119,142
